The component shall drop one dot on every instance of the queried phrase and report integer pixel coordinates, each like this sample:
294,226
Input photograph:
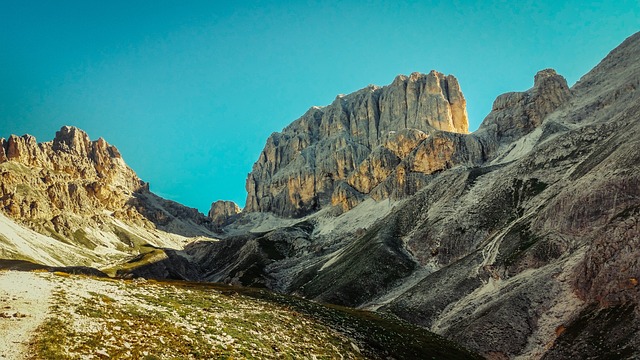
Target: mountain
73,201
338,153
519,240
72,205
83,317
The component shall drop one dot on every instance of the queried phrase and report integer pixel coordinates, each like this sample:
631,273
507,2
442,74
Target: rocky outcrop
69,174
385,142
300,168
222,211
3,150
62,187
519,240
384,159
515,114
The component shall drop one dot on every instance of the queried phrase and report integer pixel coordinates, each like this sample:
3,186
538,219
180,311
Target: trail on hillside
24,303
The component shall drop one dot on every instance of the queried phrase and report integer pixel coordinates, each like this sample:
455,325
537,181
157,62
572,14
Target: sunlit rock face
384,142
69,174
81,193
359,139
222,211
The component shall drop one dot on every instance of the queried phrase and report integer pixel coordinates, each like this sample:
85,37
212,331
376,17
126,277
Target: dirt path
24,303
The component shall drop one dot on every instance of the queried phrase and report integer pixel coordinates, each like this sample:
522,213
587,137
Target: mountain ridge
502,254
301,167
81,195
518,241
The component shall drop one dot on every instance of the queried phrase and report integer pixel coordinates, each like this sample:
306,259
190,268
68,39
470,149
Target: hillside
508,239
73,201
61,316
518,241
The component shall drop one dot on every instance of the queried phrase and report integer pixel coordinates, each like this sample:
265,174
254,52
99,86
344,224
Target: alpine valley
520,240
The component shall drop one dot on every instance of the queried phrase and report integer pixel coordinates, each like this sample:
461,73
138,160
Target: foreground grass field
100,318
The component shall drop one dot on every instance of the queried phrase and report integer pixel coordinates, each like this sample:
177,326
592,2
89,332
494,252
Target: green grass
47,344
167,322
181,320
148,255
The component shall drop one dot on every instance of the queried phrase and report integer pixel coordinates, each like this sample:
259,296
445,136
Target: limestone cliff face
530,251
521,240
352,140
70,173
222,211
515,114
385,142
71,186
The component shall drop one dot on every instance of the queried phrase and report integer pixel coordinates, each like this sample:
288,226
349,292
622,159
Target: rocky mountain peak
385,142
221,212
62,187
515,114
301,167
72,140
543,75
43,180
20,148
519,240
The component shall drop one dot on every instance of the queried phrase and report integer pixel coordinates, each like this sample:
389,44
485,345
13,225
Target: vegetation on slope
141,319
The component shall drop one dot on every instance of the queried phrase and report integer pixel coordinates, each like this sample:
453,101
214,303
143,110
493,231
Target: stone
515,114
300,168
346,197
520,240
72,140
3,150
60,187
222,211
384,141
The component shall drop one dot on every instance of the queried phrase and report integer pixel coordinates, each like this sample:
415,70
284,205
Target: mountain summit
519,241
383,142
86,206
308,165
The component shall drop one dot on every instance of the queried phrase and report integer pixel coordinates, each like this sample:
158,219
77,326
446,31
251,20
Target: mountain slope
519,240
529,230
102,318
73,201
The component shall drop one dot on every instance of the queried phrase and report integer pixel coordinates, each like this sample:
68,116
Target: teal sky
190,90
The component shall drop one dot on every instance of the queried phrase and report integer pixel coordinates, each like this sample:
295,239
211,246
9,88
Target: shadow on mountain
23,265
172,217
159,263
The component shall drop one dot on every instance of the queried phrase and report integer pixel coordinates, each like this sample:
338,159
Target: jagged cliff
222,212
383,142
89,205
519,240
308,164
72,173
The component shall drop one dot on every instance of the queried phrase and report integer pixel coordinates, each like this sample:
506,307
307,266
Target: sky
189,91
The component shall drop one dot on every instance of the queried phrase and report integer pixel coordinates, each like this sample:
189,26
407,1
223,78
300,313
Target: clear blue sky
190,90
